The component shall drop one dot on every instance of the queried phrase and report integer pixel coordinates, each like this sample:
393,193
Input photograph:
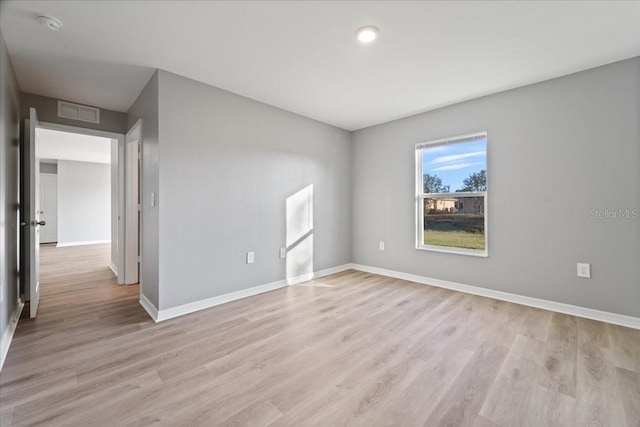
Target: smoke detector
49,22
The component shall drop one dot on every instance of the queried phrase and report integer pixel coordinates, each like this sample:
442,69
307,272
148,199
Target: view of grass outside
456,230
455,239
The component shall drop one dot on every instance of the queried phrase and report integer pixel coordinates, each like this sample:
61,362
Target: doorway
78,189
59,215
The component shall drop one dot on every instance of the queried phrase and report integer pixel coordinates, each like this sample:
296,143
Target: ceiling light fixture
367,34
49,22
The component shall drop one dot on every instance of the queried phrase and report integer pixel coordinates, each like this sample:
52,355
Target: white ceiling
303,56
53,144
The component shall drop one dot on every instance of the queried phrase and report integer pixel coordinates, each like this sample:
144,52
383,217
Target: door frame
55,175
133,212
120,138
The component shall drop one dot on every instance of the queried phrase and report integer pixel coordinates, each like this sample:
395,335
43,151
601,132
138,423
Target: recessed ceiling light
367,34
49,22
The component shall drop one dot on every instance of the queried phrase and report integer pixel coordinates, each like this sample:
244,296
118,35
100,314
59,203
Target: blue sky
452,163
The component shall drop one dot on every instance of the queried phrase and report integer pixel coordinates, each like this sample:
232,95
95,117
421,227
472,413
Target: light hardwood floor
348,349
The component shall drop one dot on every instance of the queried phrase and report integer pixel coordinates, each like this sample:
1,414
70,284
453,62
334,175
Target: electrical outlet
283,253
381,246
249,257
584,270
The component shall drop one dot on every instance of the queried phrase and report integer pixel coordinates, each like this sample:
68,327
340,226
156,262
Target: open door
34,214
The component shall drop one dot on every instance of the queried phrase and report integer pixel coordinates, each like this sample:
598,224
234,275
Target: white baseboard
149,307
588,313
170,313
300,279
87,242
317,274
7,336
113,268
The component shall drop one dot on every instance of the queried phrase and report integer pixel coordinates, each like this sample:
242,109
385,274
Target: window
451,195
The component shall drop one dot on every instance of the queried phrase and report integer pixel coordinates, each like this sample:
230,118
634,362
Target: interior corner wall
9,193
229,166
145,108
561,153
84,202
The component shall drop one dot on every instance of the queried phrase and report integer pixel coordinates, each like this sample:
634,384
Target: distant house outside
469,204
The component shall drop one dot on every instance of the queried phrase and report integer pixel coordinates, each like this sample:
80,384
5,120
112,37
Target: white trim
317,274
7,336
149,307
54,175
419,204
136,130
454,250
120,258
587,313
170,313
453,139
421,195
86,242
299,279
80,130
132,212
113,268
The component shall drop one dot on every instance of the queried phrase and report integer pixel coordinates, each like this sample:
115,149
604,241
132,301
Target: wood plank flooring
348,349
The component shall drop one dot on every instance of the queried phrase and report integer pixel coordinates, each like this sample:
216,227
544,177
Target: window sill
456,251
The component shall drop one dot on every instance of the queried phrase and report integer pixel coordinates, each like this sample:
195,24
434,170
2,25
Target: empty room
327,213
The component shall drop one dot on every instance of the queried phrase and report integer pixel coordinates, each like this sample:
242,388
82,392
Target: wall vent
68,110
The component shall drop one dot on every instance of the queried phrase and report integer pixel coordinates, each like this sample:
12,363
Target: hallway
76,276
80,305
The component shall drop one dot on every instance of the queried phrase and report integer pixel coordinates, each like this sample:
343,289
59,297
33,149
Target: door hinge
139,207
139,258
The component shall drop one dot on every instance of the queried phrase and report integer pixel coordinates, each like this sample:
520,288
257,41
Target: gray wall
48,167
228,165
84,202
110,121
146,108
557,150
9,193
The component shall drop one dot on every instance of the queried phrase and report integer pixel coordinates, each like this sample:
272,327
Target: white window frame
420,196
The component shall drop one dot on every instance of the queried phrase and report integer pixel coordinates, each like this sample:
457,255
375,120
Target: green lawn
456,239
